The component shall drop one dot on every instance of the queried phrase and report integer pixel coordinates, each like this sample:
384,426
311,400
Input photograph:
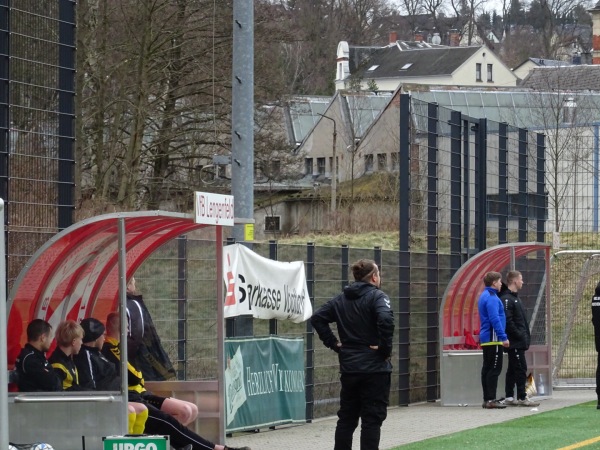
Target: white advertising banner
263,288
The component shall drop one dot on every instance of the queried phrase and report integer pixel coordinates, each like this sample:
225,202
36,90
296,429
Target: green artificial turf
549,430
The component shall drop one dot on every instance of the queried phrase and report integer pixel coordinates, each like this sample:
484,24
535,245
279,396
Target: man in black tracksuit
596,323
34,371
519,336
365,324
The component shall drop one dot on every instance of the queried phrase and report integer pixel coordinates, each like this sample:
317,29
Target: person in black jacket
96,372
33,369
519,336
365,324
596,323
69,338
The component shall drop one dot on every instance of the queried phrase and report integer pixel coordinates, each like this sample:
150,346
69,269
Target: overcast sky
488,5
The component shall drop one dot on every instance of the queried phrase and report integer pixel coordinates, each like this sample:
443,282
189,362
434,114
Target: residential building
387,68
523,69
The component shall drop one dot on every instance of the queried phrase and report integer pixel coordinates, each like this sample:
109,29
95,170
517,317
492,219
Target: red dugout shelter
82,272
459,320
75,274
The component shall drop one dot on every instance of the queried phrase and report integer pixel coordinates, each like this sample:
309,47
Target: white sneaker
527,402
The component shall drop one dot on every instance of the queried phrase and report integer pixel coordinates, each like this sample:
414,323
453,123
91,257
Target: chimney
454,38
393,37
595,12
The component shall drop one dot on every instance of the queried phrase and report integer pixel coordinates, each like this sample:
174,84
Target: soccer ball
41,446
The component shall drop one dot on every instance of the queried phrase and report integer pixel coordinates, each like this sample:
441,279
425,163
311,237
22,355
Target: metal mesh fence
37,70
468,184
484,177
184,310
575,276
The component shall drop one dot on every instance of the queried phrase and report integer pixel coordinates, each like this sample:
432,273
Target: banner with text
264,288
264,382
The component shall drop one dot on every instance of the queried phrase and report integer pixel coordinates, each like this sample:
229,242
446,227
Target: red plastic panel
75,274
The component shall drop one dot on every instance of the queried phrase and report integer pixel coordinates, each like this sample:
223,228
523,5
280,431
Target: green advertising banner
136,443
264,382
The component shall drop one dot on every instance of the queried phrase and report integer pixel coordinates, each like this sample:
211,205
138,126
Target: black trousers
516,373
598,378
159,422
490,371
365,396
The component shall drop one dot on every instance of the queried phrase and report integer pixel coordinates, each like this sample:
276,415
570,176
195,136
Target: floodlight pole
333,167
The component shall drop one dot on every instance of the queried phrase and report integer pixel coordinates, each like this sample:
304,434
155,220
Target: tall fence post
310,345
523,146
182,243
377,256
432,249
273,256
404,195
503,183
455,194
466,190
66,113
481,185
344,266
3,338
230,322
542,205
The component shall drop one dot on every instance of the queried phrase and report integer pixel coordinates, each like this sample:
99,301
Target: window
272,223
331,168
269,169
368,163
382,161
477,72
258,172
274,169
490,74
395,161
321,166
569,110
308,166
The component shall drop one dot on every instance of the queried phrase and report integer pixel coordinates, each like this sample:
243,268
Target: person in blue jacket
492,337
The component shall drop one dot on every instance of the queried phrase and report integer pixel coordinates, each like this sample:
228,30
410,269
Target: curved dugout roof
75,274
458,311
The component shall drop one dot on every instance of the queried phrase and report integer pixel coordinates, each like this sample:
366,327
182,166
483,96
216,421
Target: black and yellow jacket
64,366
135,379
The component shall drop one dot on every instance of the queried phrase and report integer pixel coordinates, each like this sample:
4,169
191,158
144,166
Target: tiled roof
569,78
391,62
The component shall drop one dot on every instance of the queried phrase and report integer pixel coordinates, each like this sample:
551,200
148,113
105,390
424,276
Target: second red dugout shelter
459,320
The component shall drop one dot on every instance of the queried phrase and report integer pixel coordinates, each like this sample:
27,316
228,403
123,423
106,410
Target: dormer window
372,68
406,66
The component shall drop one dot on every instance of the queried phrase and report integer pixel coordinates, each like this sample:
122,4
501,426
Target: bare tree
566,120
152,96
413,8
